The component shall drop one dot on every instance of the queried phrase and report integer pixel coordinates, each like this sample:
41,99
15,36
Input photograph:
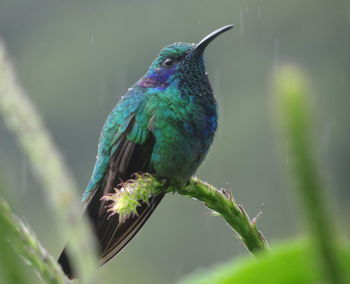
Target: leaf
289,263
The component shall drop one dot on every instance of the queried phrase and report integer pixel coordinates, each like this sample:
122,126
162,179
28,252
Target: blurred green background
76,58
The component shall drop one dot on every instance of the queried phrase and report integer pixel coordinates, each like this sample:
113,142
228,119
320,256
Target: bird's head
179,63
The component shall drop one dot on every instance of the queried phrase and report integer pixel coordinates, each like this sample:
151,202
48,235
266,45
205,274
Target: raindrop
92,39
130,89
287,154
259,12
199,21
241,21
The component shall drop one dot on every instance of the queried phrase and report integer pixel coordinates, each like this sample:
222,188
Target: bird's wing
129,152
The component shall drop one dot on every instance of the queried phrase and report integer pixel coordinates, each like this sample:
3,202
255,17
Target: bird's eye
168,62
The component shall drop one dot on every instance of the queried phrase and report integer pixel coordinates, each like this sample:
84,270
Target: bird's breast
183,134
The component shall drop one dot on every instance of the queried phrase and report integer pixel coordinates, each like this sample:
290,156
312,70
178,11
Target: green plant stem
24,121
291,91
222,202
125,201
28,247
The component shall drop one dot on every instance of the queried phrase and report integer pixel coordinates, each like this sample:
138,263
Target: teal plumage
164,125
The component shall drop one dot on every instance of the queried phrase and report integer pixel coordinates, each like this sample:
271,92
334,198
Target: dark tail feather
112,235
63,260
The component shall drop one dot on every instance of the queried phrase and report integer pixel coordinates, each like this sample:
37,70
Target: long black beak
199,47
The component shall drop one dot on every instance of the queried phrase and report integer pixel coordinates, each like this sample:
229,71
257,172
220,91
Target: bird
164,125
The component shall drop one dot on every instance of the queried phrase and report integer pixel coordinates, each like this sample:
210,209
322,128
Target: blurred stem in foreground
126,200
26,245
12,270
291,96
23,120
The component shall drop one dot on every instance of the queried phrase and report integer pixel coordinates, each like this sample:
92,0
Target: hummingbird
164,125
